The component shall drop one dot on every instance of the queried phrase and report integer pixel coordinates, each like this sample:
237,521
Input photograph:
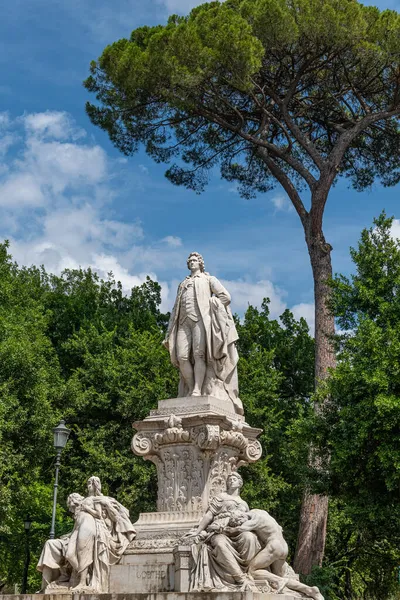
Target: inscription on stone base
143,573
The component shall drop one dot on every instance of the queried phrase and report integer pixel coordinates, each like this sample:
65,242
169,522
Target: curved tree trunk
314,510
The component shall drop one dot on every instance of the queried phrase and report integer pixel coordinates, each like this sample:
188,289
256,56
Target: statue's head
94,486
74,501
237,518
234,481
195,256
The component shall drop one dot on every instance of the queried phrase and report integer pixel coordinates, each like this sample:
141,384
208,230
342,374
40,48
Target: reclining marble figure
81,560
235,548
201,337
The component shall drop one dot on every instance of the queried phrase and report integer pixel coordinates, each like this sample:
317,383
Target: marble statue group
235,548
81,560
197,442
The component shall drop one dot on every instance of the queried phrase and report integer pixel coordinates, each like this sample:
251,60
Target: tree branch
286,184
348,136
271,148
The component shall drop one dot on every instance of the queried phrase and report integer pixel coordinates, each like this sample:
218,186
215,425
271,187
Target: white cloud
53,124
307,311
54,193
181,6
104,265
144,169
45,168
4,119
21,189
395,229
281,203
173,241
78,237
6,142
245,293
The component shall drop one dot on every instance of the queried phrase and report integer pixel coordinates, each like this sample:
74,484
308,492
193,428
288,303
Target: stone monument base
155,596
195,443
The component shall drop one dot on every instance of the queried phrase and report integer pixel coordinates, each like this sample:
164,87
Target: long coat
213,302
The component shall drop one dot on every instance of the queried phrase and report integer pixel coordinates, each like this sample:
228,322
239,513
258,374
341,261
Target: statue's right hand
191,537
165,343
190,533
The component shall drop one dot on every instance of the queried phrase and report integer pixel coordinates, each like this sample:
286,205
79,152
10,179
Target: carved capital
207,437
236,439
142,444
173,433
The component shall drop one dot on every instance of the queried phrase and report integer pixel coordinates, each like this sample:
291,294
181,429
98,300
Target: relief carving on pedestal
193,461
181,480
220,468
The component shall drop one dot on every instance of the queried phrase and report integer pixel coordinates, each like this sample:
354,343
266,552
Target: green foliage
258,85
30,394
75,346
360,426
276,372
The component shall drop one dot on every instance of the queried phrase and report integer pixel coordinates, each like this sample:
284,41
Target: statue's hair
95,481
75,498
238,475
201,260
237,517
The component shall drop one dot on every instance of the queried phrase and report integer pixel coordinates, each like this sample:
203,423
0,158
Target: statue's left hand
215,528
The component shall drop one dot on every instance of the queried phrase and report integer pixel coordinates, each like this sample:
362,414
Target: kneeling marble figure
235,548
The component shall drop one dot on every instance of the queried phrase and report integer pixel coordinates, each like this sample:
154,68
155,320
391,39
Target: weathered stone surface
143,573
81,560
201,337
151,596
195,443
194,448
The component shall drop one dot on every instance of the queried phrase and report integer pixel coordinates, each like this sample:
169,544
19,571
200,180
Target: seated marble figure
81,560
235,548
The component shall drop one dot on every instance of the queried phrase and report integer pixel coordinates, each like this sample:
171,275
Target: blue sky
68,198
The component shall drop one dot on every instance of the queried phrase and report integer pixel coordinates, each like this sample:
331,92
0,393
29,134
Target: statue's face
233,482
193,263
91,488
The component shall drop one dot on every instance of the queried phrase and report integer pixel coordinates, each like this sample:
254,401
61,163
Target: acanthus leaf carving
207,437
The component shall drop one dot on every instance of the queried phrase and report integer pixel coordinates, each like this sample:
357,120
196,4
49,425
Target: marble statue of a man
201,336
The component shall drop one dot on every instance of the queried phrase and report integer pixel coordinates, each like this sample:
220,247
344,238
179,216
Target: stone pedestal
195,443
132,595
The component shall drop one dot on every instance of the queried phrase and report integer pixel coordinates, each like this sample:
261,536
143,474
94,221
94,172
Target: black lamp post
61,434
27,527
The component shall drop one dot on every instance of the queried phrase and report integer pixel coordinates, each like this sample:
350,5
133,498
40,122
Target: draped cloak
221,335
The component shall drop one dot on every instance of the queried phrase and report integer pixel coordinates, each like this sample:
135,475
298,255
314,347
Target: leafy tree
79,297
117,382
75,346
31,393
360,426
72,346
276,373
295,92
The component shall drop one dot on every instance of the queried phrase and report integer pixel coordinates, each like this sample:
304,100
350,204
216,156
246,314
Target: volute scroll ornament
142,444
253,451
